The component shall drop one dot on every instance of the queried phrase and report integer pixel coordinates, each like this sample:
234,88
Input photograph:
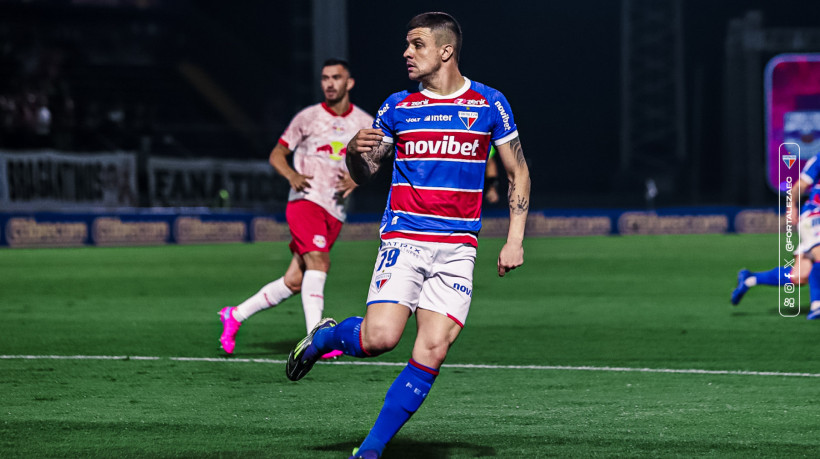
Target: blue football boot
742,288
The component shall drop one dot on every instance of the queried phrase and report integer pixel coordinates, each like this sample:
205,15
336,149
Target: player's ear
350,83
446,52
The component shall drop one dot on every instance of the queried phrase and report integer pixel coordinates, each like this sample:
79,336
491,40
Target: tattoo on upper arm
518,152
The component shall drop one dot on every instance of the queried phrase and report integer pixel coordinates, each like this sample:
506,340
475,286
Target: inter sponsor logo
438,117
448,145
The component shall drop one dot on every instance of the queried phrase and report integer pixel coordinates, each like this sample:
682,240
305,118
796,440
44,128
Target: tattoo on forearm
362,167
519,204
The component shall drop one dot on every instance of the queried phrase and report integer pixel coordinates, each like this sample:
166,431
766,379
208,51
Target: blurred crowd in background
213,79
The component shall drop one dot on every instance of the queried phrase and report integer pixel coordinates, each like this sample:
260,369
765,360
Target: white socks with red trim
313,296
268,297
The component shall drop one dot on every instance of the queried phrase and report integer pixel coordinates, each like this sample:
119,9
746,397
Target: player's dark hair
437,21
337,61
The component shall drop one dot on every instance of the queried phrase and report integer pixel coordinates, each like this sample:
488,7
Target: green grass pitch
561,340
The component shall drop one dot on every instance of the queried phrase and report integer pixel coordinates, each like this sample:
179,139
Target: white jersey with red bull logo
442,145
318,138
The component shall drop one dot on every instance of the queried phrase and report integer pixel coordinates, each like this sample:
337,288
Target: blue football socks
776,276
346,337
403,398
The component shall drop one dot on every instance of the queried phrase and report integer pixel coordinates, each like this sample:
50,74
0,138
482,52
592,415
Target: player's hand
510,257
300,182
345,185
364,141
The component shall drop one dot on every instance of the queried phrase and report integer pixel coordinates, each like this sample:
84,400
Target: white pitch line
77,357
447,365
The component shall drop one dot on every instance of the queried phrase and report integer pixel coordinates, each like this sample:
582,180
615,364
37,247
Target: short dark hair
437,21
337,61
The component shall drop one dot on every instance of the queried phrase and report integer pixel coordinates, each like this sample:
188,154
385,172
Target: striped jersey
442,145
318,138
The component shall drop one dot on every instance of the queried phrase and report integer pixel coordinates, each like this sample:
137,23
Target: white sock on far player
313,296
268,297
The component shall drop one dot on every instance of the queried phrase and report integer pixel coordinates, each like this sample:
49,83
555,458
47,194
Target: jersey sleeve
504,128
296,131
385,118
810,171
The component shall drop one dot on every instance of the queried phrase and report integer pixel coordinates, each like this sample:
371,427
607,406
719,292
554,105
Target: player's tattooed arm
519,205
364,166
518,193
517,196
365,154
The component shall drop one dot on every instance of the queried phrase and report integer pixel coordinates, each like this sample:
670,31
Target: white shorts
436,276
809,230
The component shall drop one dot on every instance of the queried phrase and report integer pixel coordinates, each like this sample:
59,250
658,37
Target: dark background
113,76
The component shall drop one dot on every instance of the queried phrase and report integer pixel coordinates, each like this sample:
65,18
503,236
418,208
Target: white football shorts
435,276
809,230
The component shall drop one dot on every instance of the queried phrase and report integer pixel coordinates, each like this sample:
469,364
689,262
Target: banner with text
47,180
216,183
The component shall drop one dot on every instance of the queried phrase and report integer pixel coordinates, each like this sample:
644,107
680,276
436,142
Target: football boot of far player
814,314
229,328
742,288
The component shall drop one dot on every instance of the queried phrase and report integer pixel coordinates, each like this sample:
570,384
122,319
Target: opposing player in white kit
320,185
441,137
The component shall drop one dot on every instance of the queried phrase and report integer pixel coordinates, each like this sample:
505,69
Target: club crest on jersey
338,127
468,118
789,160
380,280
319,241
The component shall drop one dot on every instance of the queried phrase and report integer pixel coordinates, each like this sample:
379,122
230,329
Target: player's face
422,54
336,82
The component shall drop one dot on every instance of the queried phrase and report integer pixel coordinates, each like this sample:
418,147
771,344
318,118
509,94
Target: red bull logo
335,150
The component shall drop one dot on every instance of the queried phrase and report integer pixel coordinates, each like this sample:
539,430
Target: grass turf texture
638,302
